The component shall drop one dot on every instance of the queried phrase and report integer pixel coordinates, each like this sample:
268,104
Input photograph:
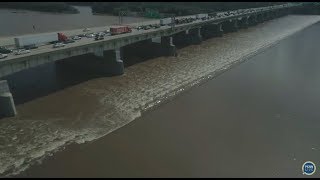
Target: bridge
109,50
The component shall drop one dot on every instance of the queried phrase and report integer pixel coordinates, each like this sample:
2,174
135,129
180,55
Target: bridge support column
167,46
230,26
243,23
212,30
267,16
196,37
252,20
112,61
260,18
272,15
7,106
218,31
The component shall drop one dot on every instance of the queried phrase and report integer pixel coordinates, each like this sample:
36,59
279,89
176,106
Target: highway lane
9,41
86,41
77,43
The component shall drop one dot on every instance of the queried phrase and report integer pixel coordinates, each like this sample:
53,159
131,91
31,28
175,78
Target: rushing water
96,107
258,119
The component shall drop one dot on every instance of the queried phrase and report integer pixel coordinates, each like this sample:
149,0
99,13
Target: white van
2,56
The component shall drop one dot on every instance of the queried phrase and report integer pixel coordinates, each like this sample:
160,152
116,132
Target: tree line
60,7
175,8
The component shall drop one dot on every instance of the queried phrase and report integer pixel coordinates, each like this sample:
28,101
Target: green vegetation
80,3
164,9
311,8
59,7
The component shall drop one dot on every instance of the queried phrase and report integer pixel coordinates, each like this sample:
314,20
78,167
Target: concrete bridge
109,50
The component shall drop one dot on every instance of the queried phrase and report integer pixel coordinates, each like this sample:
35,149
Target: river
246,110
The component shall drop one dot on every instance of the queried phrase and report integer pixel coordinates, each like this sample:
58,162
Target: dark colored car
81,35
53,42
99,37
69,41
146,27
4,50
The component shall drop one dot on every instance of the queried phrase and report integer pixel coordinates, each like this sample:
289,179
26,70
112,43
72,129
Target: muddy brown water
258,119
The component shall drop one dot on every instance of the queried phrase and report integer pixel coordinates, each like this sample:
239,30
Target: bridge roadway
9,41
191,31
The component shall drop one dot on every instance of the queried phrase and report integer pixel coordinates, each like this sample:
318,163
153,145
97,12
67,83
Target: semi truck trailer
199,16
166,21
35,40
120,30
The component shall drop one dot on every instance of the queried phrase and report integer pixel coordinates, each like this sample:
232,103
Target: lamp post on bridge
121,13
173,21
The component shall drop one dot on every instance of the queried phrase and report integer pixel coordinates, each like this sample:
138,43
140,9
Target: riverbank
92,109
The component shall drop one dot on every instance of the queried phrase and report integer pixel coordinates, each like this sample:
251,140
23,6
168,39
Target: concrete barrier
7,106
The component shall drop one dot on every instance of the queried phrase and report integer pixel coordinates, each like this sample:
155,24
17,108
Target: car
5,50
57,45
86,30
76,37
32,46
2,56
139,28
146,27
102,33
155,26
90,35
99,36
107,32
22,51
81,35
69,41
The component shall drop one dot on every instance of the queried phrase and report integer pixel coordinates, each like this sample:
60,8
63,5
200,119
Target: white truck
166,21
199,16
35,40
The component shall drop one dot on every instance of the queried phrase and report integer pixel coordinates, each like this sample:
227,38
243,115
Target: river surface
259,119
22,22
259,114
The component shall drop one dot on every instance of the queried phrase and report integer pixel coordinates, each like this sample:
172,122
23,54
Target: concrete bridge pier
252,20
230,26
212,30
272,15
7,106
286,12
277,14
243,23
267,16
167,46
111,61
260,18
218,31
264,17
196,37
